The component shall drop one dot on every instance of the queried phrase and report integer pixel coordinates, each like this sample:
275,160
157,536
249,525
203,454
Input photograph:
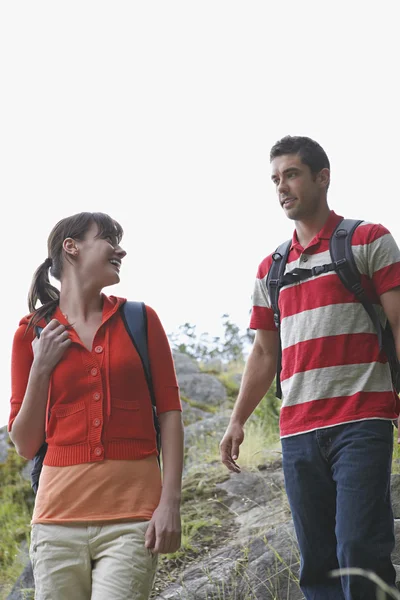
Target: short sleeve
377,256
165,384
21,362
262,315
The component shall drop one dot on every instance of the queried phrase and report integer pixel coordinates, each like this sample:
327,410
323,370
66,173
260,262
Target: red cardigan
99,401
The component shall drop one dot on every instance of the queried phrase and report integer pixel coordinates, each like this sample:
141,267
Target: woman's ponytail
43,291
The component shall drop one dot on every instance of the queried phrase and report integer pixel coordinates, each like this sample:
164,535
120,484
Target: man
338,402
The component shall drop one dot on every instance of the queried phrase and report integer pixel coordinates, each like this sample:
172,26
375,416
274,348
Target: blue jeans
338,484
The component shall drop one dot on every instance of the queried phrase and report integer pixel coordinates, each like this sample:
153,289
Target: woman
101,514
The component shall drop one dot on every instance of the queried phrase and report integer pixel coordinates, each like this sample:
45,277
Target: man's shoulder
264,266
368,233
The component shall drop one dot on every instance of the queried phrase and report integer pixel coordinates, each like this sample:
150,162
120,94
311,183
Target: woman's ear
70,247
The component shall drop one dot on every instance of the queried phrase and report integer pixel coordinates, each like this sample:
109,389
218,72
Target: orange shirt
99,403
111,490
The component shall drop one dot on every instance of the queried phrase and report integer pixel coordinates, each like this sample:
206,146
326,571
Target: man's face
299,191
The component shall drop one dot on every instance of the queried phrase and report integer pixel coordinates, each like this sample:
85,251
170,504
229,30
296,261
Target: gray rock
263,569
192,414
202,441
3,444
258,500
396,552
185,365
203,388
206,430
395,494
259,486
24,589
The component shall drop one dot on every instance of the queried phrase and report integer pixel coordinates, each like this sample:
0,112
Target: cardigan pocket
68,424
125,420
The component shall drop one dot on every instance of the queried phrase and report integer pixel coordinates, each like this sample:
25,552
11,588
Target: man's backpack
344,265
134,317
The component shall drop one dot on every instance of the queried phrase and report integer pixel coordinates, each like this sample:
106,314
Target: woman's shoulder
119,302
24,327
151,314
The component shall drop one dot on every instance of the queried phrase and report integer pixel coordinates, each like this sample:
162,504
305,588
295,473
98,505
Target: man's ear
324,177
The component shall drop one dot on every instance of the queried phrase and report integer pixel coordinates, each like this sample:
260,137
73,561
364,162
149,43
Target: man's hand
163,534
229,446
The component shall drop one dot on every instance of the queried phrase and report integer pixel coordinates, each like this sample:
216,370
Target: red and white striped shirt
332,369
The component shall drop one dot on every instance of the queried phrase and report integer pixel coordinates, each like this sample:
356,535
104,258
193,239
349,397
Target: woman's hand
50,347
163,534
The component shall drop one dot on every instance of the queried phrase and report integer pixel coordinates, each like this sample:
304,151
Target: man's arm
258,375
391,305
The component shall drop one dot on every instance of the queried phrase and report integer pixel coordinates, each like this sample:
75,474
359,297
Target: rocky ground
238,541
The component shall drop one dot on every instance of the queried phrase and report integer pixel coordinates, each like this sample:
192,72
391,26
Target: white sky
162,114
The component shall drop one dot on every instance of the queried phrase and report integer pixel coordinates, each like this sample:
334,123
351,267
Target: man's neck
307,229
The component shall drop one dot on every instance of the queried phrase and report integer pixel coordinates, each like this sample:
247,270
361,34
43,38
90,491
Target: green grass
396,452
16,503
204,407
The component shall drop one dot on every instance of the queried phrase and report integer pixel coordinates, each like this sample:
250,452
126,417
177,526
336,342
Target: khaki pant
104,562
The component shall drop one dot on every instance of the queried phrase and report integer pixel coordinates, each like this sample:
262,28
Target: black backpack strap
299,274
275,276
274,283
134,316
345,266
37,462
135,320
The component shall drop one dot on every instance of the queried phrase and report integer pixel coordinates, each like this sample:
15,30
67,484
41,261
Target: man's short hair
310,152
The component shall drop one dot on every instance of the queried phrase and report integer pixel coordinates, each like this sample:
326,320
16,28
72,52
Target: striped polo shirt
332,369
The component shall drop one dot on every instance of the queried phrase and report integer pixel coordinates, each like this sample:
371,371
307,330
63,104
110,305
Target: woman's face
98,259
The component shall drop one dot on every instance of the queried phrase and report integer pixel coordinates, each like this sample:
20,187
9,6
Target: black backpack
345,266
134,317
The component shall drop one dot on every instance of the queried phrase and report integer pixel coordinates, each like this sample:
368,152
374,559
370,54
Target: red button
96,422
96,396
98,451
94,372
98,349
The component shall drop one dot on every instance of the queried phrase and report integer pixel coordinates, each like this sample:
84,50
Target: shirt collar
324,234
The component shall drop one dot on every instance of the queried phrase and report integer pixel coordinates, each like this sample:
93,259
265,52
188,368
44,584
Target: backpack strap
274,283
134,317
275,276
345,266
37,461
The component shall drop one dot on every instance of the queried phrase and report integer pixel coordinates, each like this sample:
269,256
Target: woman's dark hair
309,151
74,227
